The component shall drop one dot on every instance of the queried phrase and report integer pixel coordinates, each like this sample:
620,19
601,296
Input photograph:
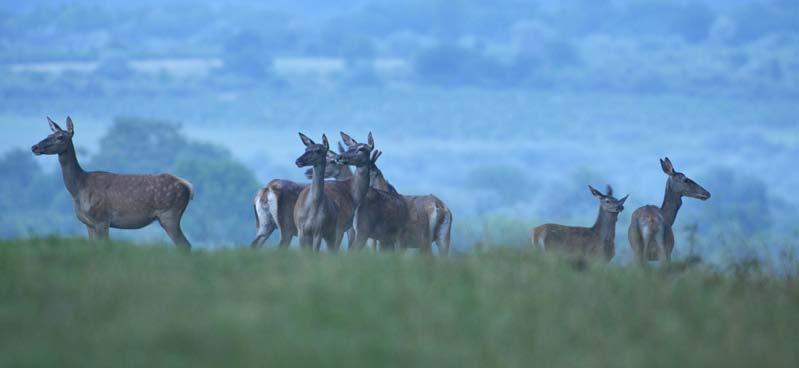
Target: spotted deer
597,241
322,212
274,203
650,232
104,200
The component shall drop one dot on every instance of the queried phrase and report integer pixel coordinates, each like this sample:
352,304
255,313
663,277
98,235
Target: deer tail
187,184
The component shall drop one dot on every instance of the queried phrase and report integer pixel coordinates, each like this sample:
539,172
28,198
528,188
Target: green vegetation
69,303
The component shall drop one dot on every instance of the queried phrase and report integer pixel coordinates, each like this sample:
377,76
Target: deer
104,200
274,203
378,214
430,220
322,212
597,241
650,232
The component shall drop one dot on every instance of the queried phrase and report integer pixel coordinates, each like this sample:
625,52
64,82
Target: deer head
681,184
358,154
608,202
315,154
332,169
57,142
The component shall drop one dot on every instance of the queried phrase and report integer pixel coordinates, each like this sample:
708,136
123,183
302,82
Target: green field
70,303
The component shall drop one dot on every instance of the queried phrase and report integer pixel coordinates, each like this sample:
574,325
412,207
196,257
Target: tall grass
70,303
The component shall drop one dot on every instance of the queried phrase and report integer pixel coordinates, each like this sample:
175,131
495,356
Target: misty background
506,110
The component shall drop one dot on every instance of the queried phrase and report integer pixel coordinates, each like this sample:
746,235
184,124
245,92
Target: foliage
68,303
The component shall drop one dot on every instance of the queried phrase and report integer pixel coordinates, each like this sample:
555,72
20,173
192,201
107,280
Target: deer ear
305,140
341,148
370,141
375,156
609,193
621,201
667,167
53,126
348,140
596,193
70,127
325,143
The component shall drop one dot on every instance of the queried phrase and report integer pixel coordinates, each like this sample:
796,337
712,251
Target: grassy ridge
69,303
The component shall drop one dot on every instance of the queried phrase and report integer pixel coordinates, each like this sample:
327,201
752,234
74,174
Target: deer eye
59,138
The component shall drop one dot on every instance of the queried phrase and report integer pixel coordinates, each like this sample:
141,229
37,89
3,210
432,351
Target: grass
69,303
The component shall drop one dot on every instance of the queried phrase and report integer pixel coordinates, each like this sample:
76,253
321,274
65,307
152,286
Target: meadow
66,302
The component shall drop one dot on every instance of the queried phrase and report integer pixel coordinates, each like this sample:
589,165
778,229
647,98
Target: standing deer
378,214
430,220
650,233
104,200
321,211
274,203
595,241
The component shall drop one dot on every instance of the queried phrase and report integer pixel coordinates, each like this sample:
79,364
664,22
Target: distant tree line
654,46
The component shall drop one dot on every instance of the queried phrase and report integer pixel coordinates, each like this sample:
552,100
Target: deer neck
344,174
317,191
605,225
70,169
671,205
379,181
360,184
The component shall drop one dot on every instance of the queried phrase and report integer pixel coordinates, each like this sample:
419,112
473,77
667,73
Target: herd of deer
362,204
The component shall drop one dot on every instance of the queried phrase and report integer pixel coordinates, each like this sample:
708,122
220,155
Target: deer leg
263,233
442,238
443,246
317,243
337,241
359,243
388,245
97,231
286,233
306,242
669,243
91,232
102,231
350,237
637,244
171,225
660,239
